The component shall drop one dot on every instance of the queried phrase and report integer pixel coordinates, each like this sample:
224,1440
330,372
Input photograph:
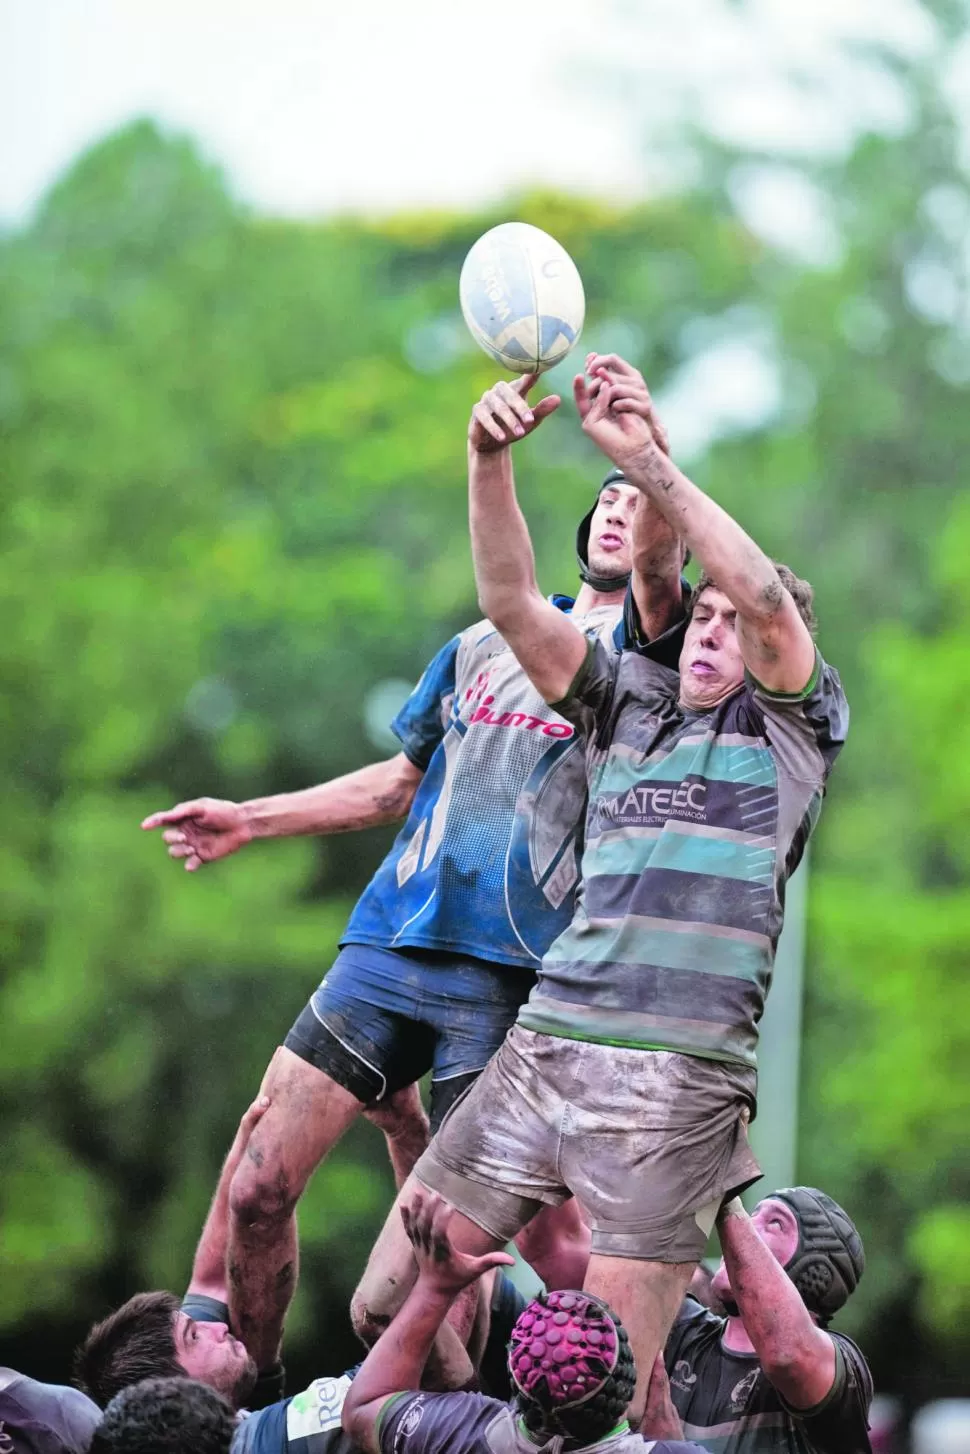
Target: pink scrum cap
566,1348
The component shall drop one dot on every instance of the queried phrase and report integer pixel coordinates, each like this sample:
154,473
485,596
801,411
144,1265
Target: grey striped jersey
695,821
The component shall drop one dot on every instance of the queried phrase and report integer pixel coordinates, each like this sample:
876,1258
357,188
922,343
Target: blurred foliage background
232,505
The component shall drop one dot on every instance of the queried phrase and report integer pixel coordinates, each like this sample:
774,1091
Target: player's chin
244,1383
610,567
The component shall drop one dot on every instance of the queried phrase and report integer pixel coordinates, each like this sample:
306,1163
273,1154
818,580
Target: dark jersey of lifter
727,1403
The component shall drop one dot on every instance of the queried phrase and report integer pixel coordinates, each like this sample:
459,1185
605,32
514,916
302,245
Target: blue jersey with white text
488,861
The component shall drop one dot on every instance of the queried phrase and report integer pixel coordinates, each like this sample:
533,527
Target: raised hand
202,830
426,1219
615,407
503,415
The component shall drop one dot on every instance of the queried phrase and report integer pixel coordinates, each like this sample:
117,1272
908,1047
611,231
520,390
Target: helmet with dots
829,1260
571,1362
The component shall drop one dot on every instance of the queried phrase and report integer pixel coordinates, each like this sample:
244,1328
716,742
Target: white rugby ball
522,297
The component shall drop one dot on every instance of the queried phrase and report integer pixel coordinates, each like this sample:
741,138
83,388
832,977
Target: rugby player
630,1075
569,1361
154,1336
186,1416
770,1374
442,948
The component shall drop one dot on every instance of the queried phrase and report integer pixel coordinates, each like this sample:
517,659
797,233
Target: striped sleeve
589,699
807,730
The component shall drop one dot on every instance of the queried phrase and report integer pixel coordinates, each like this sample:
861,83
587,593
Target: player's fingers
433,1206
639,398
603,402
635,401
582,395
412,1215
171,815
438,1231
180,850
191,864
489,1260
173,835
519,406
422,1225
191,809
491,426
613,362
503,413
545,407
524,383
420,1220
630,383
632,386
594,408
258,1108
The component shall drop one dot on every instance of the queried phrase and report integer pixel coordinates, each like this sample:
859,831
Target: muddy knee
260,1196
366,1321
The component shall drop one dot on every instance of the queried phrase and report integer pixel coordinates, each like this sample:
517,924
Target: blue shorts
383,1018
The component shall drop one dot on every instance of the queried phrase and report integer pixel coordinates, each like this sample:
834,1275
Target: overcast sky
313,106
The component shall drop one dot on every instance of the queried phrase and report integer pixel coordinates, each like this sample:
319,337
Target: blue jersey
488,861
308,1423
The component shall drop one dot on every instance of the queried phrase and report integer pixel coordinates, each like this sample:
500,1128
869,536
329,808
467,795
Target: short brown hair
136,1341
800,591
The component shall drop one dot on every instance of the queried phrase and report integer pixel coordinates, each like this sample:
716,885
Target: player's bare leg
645,1297
556,1245
307,1115
389,1276
404,1122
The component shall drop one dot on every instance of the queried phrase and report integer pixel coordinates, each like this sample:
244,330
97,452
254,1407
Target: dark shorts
648,1141
383,1018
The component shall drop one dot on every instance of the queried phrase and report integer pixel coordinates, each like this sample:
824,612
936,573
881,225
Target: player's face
711,665
209,1352
610,549
777,1226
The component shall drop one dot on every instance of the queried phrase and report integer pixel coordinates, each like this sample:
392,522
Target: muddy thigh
653,1146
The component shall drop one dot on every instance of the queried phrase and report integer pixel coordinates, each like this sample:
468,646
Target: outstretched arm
396,1362
209,1268
548,646
658,551
776,644
797,1356
206,829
